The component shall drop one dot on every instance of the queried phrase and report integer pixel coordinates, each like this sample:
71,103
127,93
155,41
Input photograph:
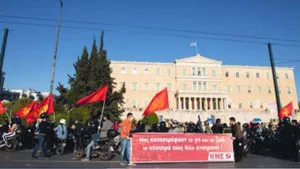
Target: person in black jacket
288,134
238,139
217,128
296,140
42,131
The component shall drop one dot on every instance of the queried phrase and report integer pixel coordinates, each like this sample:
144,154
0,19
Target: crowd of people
282,138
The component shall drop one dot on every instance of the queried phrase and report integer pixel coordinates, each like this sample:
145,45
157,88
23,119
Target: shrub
151,119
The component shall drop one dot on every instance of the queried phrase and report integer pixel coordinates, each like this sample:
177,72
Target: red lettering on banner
177,147
216,156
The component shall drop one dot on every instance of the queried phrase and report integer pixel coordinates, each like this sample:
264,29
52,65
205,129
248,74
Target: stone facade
201,85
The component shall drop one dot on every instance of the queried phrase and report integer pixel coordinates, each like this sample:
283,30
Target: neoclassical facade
204,85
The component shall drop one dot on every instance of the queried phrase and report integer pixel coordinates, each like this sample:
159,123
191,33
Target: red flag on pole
23,112
286,110
46,106
99,95
159,102
2,108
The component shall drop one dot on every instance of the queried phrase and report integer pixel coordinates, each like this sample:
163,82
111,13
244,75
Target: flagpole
6,114
196,48
54,116
101,116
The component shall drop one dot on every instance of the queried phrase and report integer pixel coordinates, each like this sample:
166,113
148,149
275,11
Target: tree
78,82
150,119
90,74
13,107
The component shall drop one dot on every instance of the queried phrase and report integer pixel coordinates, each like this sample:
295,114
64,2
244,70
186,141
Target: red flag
46,106
286,110
159,102
2,108
23,112
30,120
99,95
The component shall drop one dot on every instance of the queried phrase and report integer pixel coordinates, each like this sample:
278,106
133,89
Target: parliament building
202,85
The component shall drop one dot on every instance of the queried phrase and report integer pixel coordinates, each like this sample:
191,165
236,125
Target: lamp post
55,49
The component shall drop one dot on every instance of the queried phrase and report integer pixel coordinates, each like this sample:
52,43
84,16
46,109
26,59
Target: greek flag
193,44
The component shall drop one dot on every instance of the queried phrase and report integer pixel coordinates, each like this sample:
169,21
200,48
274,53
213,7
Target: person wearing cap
61,130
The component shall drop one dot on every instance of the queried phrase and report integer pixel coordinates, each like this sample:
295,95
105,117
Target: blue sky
30,49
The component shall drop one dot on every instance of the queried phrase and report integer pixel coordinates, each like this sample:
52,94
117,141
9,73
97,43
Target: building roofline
198,55
136,62
172,64
251,67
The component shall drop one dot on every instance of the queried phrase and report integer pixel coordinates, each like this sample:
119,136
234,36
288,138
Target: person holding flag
99,95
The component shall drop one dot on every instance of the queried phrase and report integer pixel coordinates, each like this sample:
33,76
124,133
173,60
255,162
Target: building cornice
255,67
223,66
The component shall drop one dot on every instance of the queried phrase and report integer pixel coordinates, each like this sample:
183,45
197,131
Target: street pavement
22,159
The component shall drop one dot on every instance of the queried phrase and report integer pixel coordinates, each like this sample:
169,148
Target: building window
204,71
261,105
286,76
134,103
279,89
158,71
238,89
227,74
229,105
240,105
237,74
157,86
194,85
214,88
146,70
249,89
214,73
169,72
247,75
257,75
199,73
193,71
205,86
289,90
259,90
134,70
184,87
228,89
251,105
268,75
169,85
123,69
269,90
134,86
184,72
146,86
199,85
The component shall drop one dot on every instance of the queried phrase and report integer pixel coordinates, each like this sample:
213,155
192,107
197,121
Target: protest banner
180,147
